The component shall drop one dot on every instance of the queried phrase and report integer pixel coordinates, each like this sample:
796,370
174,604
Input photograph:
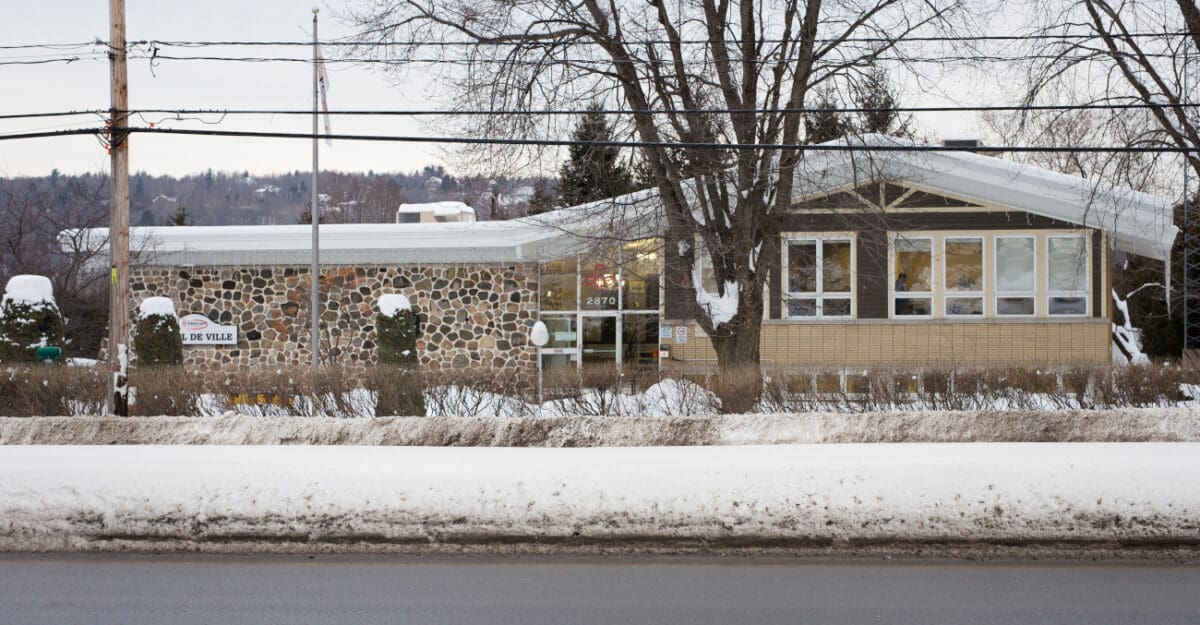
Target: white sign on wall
200,330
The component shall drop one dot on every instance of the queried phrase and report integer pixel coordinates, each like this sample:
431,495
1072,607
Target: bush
157,341
29,319
398,329
33,391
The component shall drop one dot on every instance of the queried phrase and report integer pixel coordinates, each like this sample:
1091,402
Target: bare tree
45,234
1117,52
667,62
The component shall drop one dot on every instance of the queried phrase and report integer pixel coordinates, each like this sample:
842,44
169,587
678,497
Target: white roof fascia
1138,223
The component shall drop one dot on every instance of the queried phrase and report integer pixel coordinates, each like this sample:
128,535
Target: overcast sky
84,84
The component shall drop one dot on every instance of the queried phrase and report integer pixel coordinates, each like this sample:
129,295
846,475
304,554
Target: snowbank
1125,425
156,306
392,303
29,289
264,498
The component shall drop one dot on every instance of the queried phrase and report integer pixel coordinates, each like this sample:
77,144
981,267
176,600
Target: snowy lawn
97,497
947,426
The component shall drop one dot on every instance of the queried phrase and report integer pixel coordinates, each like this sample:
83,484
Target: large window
912,275
1067,275
963,265
559,285
1015,276
639,275
602,307
598,276
819,277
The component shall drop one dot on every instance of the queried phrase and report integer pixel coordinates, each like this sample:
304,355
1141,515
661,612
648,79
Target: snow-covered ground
1117,425
250,498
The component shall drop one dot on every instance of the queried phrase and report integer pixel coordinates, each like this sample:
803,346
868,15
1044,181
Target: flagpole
315,212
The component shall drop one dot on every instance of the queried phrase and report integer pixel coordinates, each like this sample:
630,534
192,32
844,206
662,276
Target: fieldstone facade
471,316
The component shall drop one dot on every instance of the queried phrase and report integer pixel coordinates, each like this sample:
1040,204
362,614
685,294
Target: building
434,212
902,260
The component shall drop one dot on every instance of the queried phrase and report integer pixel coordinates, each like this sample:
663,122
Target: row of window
819,278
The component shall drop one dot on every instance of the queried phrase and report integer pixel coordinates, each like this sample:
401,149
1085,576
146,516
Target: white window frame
1087,278
981,293
997,294
930,294
819,294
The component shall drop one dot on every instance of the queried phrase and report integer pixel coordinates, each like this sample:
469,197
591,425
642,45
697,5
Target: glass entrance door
598,338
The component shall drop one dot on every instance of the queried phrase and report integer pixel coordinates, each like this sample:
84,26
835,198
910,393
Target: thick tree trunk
739,375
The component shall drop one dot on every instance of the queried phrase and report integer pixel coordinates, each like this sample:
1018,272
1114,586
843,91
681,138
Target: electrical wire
644,42
176,114
666,145
707,111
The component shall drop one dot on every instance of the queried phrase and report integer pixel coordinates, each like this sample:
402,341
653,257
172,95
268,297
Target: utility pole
118,207
316,212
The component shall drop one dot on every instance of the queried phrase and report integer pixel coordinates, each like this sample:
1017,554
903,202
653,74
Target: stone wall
472,316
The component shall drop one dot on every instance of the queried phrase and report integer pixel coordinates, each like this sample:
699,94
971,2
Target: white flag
323,85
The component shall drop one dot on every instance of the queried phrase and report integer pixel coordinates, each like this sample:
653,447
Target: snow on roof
449,242
28,289
392,303
437,208
1139,223
156,306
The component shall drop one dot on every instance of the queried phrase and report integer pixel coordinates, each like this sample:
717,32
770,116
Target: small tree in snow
29,318
398,327
157,340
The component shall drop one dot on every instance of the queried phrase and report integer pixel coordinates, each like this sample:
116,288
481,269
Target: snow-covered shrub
29,318
398,328
157,340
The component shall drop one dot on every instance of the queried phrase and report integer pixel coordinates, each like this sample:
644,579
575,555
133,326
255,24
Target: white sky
195,85
213,85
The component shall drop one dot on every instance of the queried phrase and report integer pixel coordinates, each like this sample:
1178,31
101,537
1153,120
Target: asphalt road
131,590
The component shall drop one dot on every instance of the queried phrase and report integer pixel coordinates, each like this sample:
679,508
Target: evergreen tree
875,92
826,124
29,318
543,197
592,172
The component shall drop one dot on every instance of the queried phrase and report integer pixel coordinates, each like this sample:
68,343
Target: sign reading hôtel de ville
200,330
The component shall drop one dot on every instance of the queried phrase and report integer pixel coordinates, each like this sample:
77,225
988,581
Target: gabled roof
1138,223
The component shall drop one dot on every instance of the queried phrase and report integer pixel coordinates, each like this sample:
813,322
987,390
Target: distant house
887,259
435,212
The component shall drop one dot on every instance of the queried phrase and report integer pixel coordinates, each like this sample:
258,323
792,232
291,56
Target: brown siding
1097,274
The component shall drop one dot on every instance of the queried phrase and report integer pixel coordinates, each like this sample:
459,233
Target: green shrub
398,332
156,339
398,327
29,319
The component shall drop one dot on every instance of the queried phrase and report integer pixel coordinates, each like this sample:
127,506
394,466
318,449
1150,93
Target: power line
819,147
641,42
53,133
557,112
767,60
709,111
665,145
54,46
58,114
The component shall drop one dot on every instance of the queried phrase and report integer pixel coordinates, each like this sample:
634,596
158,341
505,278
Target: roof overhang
1138,223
